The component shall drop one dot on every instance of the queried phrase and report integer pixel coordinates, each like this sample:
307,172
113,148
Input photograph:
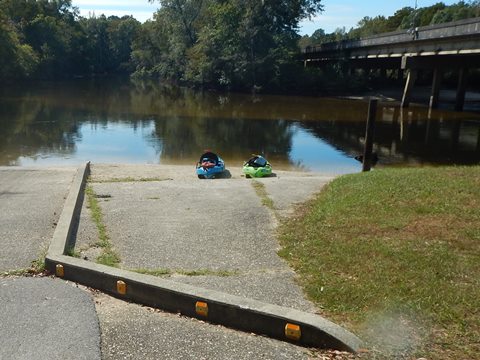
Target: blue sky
348,13
338,13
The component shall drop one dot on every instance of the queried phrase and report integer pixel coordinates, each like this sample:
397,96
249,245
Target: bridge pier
442,47
412,75
461,89
414,64
435,94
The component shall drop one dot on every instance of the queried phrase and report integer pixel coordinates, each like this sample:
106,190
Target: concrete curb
69,217
232,311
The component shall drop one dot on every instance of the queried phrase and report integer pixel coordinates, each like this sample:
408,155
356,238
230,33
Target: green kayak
257,166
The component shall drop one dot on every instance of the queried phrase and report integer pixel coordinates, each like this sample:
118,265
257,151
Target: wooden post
437,79
367,154
411,78
461,89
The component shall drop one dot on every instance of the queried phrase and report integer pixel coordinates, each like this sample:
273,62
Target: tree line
228,44
48,39
404,19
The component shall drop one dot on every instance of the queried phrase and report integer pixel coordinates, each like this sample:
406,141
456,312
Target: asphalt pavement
44,318
131,331
41,317
30,201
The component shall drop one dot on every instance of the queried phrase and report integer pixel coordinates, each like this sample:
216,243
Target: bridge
439,48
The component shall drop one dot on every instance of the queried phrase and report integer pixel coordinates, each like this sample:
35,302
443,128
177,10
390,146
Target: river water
117,121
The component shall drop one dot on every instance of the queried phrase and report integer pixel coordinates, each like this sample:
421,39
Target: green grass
262,194
130,179
37,266
206,272
109,256
97,217
199,272
395,249
153,272
17,272
72,252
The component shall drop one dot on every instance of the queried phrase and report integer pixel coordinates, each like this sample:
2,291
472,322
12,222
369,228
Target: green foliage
370,26
405,18
15,57
231,44
455,12
48,39
109,44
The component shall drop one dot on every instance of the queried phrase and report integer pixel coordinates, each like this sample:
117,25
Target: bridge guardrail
468,27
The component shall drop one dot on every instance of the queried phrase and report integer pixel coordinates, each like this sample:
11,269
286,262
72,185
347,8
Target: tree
369,26
48,31
184,15
232,43
394,21
422,16
16,59
122,32
455,12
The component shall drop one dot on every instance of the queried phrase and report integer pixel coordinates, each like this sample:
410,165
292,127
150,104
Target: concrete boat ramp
210,244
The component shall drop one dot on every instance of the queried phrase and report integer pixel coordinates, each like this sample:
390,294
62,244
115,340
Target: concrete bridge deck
450,46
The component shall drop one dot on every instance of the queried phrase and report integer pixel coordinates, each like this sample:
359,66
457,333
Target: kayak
257,166
210,166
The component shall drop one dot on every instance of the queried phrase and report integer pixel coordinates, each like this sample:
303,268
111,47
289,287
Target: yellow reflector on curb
201,308
121,287
293,332
59,270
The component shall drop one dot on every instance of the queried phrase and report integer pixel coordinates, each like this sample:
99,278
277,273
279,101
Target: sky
337,13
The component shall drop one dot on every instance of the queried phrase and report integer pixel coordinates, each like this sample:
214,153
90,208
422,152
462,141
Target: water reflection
118,121
409,137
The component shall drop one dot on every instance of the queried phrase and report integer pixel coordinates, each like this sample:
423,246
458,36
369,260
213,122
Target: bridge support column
461,89
411,78
435,94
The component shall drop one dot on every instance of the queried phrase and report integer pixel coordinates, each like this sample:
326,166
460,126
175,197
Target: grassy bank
394,255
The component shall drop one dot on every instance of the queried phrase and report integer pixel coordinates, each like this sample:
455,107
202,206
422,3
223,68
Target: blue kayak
210,166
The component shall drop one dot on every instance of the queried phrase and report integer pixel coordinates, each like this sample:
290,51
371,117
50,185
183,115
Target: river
118,121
